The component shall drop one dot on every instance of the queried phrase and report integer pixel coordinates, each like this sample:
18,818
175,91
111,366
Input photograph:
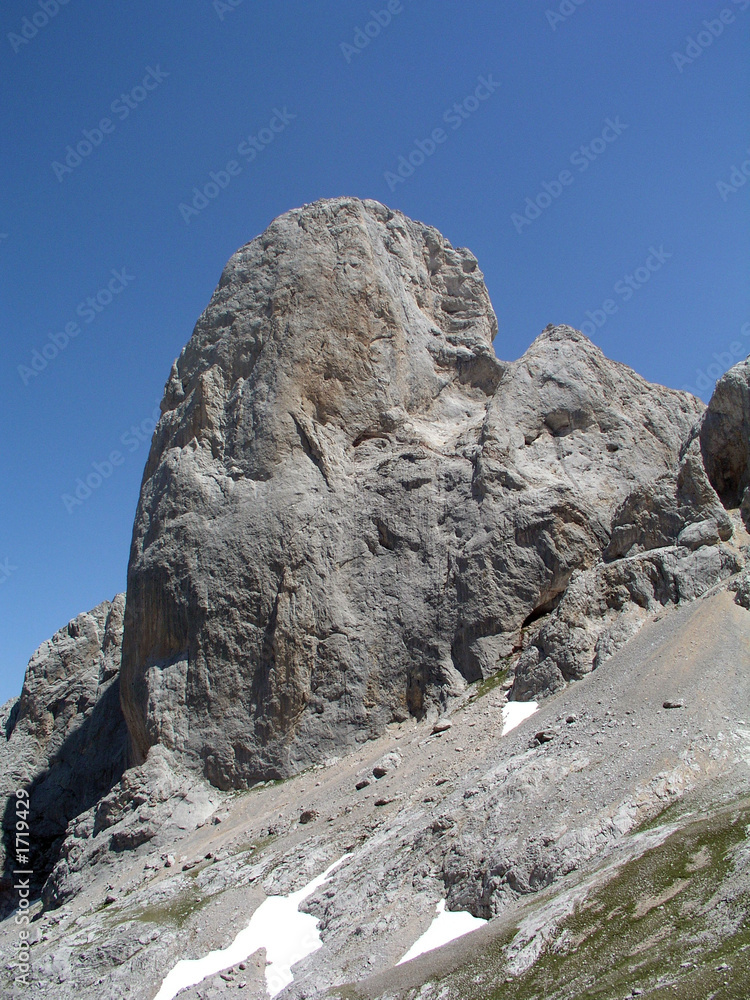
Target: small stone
110,898
673,704
362,784
442,727
387,763
308,815
544,736
169,861
383,802
570,719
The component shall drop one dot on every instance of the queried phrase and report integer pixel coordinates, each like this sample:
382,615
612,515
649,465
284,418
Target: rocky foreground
359,536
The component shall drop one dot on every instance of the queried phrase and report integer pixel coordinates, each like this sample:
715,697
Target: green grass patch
488,684
175,911
672,922
663,909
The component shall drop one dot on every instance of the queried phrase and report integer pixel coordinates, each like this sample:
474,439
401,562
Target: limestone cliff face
351,507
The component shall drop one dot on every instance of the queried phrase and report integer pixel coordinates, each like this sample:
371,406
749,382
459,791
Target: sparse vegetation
174,911
487,684
670,923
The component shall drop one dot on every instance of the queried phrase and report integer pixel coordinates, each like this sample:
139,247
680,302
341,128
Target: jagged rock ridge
65,736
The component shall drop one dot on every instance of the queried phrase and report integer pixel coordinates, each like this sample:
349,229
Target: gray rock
745,505
351,508
607,605
725,435
388,762
657,514
154,804
66,740
741,589
700,533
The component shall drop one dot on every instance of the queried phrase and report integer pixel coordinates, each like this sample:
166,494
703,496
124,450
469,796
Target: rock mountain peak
354,518
351,506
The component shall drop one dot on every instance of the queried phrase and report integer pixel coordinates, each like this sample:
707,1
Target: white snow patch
516,712
447,926
277,925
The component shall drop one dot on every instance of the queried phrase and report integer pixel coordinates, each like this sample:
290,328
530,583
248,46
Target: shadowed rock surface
65,738
351,507
725,436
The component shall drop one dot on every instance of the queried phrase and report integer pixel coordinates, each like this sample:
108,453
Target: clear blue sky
309,107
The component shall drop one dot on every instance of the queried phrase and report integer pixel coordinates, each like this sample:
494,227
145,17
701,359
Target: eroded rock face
351,507
65,738
725,435
660,513
153,804
605,606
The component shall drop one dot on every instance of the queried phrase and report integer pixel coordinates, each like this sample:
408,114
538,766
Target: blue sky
590,154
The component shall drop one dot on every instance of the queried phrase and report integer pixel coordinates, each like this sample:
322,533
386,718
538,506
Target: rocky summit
365,550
